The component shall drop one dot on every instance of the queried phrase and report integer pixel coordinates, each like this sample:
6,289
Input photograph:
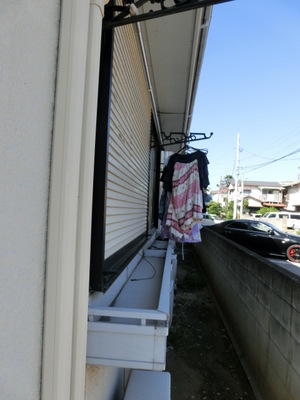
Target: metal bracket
168,140
128,13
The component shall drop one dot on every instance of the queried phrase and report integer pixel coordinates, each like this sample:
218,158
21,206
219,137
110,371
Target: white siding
129,141
294,197
28,53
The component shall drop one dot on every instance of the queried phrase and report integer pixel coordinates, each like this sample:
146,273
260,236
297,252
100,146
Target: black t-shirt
198,155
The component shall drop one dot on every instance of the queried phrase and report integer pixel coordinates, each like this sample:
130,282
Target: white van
293,218
211,219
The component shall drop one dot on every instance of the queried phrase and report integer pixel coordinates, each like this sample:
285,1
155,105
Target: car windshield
238,225
262,227
259,226
216,217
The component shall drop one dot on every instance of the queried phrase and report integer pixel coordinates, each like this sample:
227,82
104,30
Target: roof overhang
272,204
271,187
174,48
291,184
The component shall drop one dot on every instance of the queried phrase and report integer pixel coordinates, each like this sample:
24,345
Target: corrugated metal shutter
129,142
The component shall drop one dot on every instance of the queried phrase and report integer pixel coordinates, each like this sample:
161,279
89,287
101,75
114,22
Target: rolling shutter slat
129,141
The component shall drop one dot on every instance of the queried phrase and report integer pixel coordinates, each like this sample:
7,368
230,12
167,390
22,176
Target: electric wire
256,155
258,166
271,154
280,145
145,278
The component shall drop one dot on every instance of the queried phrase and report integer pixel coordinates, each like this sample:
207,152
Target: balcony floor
200,357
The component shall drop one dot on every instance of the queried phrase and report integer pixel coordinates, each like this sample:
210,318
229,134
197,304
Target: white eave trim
148,77
271,187
203,18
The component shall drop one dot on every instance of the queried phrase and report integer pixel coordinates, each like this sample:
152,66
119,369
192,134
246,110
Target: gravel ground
200,357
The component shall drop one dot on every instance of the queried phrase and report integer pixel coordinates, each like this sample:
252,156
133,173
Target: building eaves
290,184
264,184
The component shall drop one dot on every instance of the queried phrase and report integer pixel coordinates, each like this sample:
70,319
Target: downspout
85,200
196,62
134,11
70,202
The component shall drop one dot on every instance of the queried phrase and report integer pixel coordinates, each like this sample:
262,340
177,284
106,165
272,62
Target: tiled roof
259,183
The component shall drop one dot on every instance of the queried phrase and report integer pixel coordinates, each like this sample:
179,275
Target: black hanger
169,140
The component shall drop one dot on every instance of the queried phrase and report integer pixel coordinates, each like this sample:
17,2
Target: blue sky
250,84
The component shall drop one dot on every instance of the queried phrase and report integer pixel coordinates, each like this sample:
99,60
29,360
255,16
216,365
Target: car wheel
293,253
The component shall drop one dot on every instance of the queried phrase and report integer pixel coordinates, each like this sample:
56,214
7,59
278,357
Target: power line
254,167
256,155
285,142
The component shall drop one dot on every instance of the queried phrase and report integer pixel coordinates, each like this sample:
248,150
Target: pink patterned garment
186,203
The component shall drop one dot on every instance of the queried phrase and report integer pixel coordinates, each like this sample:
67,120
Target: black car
261,237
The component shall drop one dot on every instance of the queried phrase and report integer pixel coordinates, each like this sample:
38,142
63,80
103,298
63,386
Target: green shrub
267,209
214,208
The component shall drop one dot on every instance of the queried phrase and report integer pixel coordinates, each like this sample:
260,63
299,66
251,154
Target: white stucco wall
28,52
294,197
255,192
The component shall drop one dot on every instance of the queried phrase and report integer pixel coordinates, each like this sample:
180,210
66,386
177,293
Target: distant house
220,195
263,194
292,195
258,193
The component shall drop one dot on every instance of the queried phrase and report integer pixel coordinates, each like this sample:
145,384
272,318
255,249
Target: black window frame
154,175
103,272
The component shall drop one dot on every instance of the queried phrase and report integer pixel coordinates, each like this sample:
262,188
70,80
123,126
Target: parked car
261,237
256,216
293,218
211,219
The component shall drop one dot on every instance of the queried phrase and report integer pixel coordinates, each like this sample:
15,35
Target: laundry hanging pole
130,13
170,140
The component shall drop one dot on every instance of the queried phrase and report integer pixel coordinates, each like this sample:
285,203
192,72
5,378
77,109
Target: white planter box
132,331
148,385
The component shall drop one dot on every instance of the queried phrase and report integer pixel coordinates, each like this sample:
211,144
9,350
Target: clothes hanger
169,140
191,149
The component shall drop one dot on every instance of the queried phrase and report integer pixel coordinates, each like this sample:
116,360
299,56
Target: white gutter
199,42
70,201
85,201
134,11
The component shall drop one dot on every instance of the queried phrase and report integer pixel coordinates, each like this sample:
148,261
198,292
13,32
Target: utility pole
236,177
242,198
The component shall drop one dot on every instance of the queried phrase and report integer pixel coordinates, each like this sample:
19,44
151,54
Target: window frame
101,159
103,272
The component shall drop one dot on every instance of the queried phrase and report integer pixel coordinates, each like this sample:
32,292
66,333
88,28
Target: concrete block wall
260,306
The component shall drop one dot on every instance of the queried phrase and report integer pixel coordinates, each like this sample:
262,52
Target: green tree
229,214
225,209
264,210
214,208
225,182
245,206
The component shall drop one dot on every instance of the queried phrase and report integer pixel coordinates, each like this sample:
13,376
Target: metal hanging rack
169,140
128,12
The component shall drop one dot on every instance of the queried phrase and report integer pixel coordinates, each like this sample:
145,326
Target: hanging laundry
198,155
183,178
186,203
